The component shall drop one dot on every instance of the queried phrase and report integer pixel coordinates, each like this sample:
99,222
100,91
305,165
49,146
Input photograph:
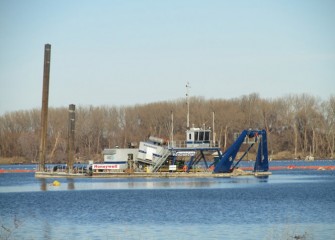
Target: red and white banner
106,166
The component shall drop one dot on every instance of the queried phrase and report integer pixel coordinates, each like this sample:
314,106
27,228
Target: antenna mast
188,105
171,128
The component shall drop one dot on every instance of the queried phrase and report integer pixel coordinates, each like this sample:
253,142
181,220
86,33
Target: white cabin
198,137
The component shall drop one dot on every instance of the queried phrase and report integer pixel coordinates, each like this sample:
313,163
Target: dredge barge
197,153
198,156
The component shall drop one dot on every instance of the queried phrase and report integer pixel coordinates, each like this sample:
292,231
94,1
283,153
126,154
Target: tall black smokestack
44,111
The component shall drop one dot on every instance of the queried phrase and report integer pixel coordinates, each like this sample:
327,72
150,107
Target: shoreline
11,162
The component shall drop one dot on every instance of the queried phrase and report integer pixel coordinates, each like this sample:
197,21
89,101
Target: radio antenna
188,105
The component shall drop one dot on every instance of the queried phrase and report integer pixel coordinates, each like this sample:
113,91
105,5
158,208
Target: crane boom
226,160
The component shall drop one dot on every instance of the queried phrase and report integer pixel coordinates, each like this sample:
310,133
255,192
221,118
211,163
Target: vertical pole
171,129
213,129
44,111
71,135
188,105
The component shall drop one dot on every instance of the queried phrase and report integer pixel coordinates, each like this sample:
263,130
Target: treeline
297,126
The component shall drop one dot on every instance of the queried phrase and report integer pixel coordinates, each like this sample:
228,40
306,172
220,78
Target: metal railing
185,144
61,168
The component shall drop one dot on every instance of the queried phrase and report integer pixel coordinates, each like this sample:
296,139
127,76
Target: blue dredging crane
225,162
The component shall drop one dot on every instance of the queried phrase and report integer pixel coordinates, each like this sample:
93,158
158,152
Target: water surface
286,205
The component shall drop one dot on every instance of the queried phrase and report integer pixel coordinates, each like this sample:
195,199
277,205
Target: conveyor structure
226,162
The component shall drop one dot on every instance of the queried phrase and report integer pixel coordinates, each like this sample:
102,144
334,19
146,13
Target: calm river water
290,204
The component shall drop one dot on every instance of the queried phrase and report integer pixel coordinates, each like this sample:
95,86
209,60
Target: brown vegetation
296,125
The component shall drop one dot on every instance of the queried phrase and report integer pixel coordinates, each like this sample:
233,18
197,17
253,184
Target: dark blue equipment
226,160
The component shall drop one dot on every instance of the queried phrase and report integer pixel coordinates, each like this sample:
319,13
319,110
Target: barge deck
154,175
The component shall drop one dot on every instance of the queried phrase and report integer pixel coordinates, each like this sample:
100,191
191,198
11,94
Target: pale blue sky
119,52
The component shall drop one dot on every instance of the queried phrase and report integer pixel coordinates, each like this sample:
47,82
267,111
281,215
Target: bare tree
295,123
